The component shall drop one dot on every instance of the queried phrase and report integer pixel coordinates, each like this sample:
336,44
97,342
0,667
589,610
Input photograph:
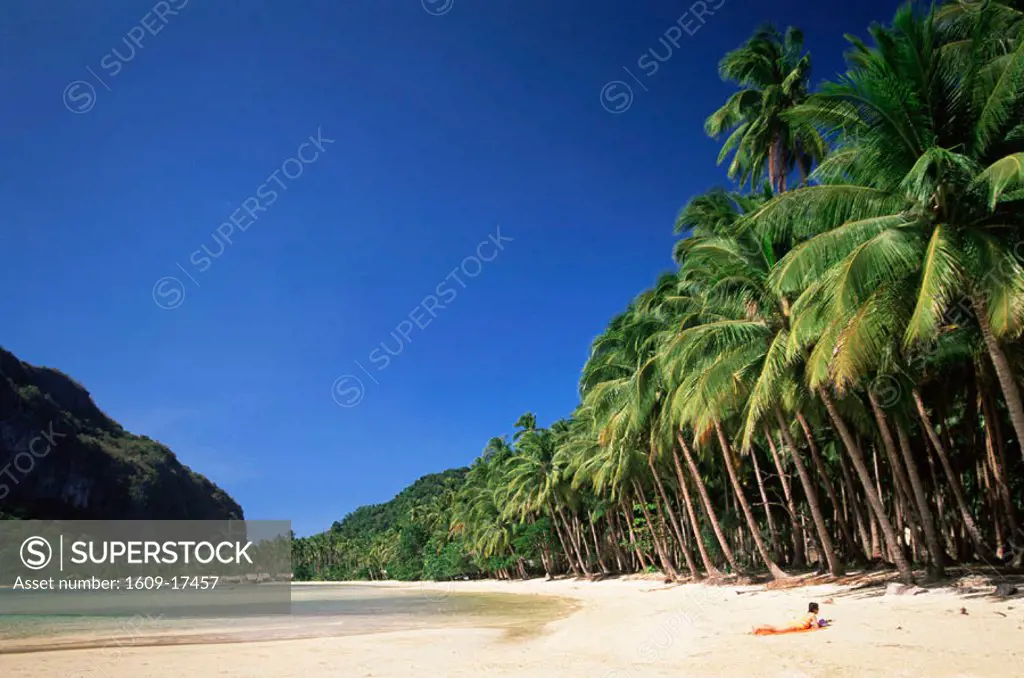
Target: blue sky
435,124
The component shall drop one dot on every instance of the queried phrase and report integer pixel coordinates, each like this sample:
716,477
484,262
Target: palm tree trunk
521,566
810,544
690,563
633,540
618,539
544,551
574,541
1011,394
997,460
666,562
835,566
709,565
876,549
597,548
666,538
819,466
755,532
852,505
773,531
931,536
902,484
984,470
709,508
945,525
973,532
857,457
573,565
581,538
545,561
799,552
892,496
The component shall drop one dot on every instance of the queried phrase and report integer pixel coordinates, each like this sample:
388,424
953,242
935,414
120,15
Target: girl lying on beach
809,622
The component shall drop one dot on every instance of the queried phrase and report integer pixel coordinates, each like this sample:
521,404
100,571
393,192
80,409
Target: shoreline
622,628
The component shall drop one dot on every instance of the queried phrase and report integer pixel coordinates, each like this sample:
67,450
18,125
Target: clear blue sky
445,125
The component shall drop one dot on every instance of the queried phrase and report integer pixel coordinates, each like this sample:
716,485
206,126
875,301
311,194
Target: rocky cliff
63,458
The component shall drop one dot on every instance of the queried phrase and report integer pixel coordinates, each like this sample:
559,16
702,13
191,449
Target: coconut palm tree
772,71
914,221
732,266
911,232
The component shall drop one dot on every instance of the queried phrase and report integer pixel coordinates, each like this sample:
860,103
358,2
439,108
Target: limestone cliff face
63,458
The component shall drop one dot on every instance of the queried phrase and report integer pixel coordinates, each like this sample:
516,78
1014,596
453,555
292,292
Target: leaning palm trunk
565,547
1002,367
984,470
931,536
545,552
755,532
902,484
521,566
835,566
581,538
997,461
876,549
659,545
857,457
946,527
632,537
852,505
709,508
618,539
545,561
819,466
709,565
574,541
966,518
773,531
799,555
597,548
690,563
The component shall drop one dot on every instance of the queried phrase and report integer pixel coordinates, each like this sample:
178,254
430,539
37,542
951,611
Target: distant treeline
400,539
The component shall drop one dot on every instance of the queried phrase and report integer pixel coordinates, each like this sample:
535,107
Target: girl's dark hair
812,607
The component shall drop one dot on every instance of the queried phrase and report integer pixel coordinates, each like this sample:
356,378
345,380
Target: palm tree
524,424
532,478
623,407
704,398
915,212
917,209
732,266
772,72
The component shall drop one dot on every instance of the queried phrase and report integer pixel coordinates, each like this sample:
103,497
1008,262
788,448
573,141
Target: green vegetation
61,458
831,376
396,539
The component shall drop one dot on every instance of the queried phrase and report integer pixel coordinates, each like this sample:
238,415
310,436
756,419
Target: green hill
379,518
62,458
386,539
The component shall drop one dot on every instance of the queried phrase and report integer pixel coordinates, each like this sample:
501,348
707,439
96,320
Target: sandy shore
621,629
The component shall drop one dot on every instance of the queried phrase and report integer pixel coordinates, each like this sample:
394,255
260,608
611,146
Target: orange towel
808,622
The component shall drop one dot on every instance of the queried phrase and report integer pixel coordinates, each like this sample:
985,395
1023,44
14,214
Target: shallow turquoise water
322,610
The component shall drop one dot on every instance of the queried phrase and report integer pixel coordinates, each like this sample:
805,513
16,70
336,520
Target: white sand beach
620,629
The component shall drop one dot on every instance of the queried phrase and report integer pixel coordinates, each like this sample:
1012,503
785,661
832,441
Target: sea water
317,611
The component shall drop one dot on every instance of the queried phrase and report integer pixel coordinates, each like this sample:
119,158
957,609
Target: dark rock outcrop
62,458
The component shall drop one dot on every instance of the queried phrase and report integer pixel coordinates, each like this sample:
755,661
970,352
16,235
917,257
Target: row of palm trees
831,377
330,556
